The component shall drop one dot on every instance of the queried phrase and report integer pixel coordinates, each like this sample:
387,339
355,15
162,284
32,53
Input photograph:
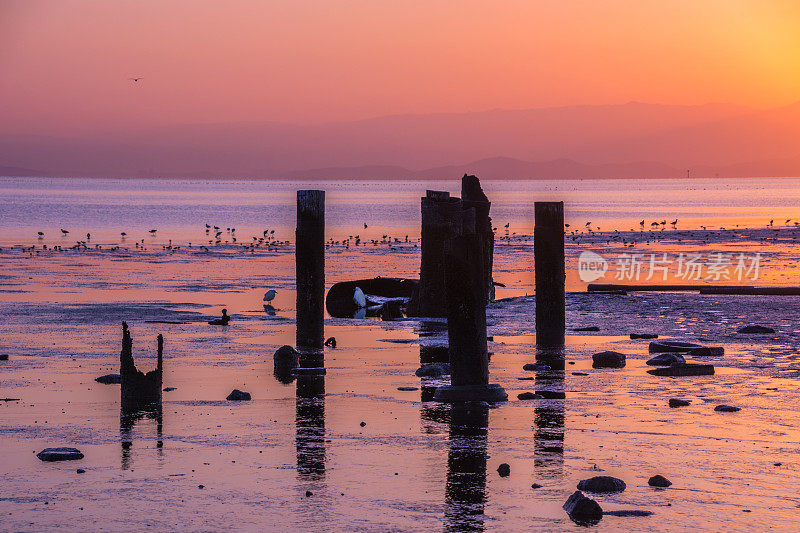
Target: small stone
201,486
309,494
536,367
169,389
659,481
608,360
579,374
109,379
635,336
707,351
536,486
238,396
722,408
407,388
3,357
602,484
777,464
667,359
504,470
80,471
677,402
587,328
583,510
433,370
756,329
529,396
59,454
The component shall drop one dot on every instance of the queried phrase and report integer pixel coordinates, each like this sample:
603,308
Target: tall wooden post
472,195
310,276
548,254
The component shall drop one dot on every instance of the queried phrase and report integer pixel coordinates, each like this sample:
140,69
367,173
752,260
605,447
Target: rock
59,454
643,336
529,396
80,471
667,359
675,402
407,388
285,355
587,328
109,379
672,346
726,408
504,470
608,360
362,424
707,351
201,486
309,494
628,513
687,369
238,396
583,510
330,342
756,329
659,481
433,370
169,389
602,484
536,367
536,486
579,374
551,394
3,357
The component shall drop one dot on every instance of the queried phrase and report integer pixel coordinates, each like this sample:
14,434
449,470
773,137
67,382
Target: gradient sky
64,65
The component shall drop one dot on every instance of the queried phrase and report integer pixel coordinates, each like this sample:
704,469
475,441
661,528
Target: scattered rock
687,369
708,351
659,481
433,370
331,342
580,374
80,471
3,357
201,486
309,494
504,470
672,346
756,329
362,424
169,389
625,513
583,510
407,389
676,402
667,359
238,396
59,454
602,484
722,408
587,328
536,486
285,355
529,396
643,336
109,379
608,360
536,367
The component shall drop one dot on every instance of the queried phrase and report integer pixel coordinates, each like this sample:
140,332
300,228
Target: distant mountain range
631,140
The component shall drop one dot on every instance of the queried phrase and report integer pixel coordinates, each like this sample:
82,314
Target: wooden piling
310,276
472,196
138,390
548,253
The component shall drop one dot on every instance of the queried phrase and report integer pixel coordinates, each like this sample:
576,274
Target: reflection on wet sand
310,427
549,412
465,491
128,420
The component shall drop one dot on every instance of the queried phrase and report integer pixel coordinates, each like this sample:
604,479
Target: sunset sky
65,64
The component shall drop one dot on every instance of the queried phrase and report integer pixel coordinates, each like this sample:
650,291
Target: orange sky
64,64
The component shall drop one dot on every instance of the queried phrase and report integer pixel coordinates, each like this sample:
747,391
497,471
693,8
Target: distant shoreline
366,179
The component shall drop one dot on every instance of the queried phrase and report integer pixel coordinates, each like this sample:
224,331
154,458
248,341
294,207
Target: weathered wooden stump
548,253
139,391
472,196
310,276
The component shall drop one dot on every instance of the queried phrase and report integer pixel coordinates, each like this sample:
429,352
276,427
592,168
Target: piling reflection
465,491
129,419
432,414
310,427
549,412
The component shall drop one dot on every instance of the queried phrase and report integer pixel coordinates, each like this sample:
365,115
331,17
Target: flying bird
135,80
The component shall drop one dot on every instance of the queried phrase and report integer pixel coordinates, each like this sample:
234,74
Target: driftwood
138,390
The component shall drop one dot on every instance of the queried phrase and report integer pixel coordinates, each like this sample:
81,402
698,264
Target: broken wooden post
548,253
441,220
472,195
466,319
310,276
139,391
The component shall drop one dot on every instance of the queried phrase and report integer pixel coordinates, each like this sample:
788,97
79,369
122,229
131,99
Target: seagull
135,80
153,230
365,225
270,295
123,234
64,231
359,298
41,234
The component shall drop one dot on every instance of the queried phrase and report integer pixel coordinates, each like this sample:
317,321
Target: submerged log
339,301
138,390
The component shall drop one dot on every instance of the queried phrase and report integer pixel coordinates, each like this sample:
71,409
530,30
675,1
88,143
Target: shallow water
415,464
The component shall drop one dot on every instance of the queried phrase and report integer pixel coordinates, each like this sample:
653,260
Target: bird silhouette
64,231
135,80
270,295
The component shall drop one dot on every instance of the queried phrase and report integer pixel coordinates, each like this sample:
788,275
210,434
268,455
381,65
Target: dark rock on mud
3,357
238,396
666,359
407,389
587,328
330,342
529,396
756,329
433,370
285,355
683,370
608,360
551,394
708,351
59,454
583,510
169,389
726,408
504,470
676,402
626,513
109,379
536,486
672,346
536,367
602,484
580,374
635,336
80,471
659,481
